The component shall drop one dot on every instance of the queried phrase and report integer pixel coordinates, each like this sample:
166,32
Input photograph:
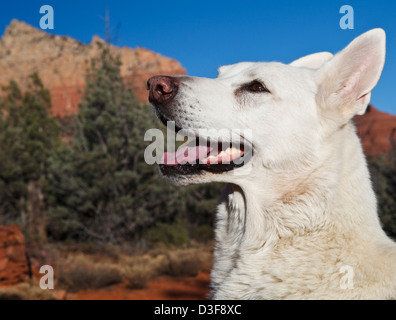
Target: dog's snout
162,89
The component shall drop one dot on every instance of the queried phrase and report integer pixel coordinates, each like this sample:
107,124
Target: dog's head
264,116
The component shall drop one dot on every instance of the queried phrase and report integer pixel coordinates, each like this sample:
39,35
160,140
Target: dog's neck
279,205
325,214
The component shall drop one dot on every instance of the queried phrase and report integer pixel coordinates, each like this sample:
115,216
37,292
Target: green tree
28,136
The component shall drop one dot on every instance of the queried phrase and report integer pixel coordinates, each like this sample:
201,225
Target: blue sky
204,35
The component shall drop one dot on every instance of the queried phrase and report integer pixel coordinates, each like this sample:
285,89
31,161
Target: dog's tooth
233,150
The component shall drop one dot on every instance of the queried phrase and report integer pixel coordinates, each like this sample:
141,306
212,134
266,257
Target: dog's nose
162,89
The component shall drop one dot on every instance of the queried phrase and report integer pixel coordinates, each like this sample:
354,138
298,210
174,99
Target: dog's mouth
198,152
202,153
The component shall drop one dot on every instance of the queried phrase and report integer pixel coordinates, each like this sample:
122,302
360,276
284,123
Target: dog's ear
312,61
345,82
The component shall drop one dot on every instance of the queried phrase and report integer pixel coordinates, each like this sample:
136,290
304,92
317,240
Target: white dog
301,223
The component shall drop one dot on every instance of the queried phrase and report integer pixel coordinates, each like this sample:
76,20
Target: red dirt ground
163,288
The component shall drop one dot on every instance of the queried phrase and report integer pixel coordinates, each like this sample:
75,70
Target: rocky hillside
13,263
377,131
62,63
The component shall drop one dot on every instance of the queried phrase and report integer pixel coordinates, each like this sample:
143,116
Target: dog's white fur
302,224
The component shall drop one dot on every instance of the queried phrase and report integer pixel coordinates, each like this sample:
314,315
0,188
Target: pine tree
28,136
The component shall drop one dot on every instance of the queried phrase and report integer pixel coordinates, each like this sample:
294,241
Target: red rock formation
377,130
13,263
62,63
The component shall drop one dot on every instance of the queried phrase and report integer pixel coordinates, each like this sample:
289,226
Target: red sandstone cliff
62,63
13,263
377,130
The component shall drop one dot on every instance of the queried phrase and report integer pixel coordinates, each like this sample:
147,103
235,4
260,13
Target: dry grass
139,270
25,291
82,272
79,272
75,272
183,263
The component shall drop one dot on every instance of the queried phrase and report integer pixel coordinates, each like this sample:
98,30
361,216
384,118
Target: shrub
25,291
169,234
203,233
80,272
136,277
138,271
183,263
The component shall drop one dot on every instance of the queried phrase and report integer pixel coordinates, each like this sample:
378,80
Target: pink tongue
185,154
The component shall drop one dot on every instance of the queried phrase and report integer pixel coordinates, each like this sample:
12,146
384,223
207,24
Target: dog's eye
256,86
